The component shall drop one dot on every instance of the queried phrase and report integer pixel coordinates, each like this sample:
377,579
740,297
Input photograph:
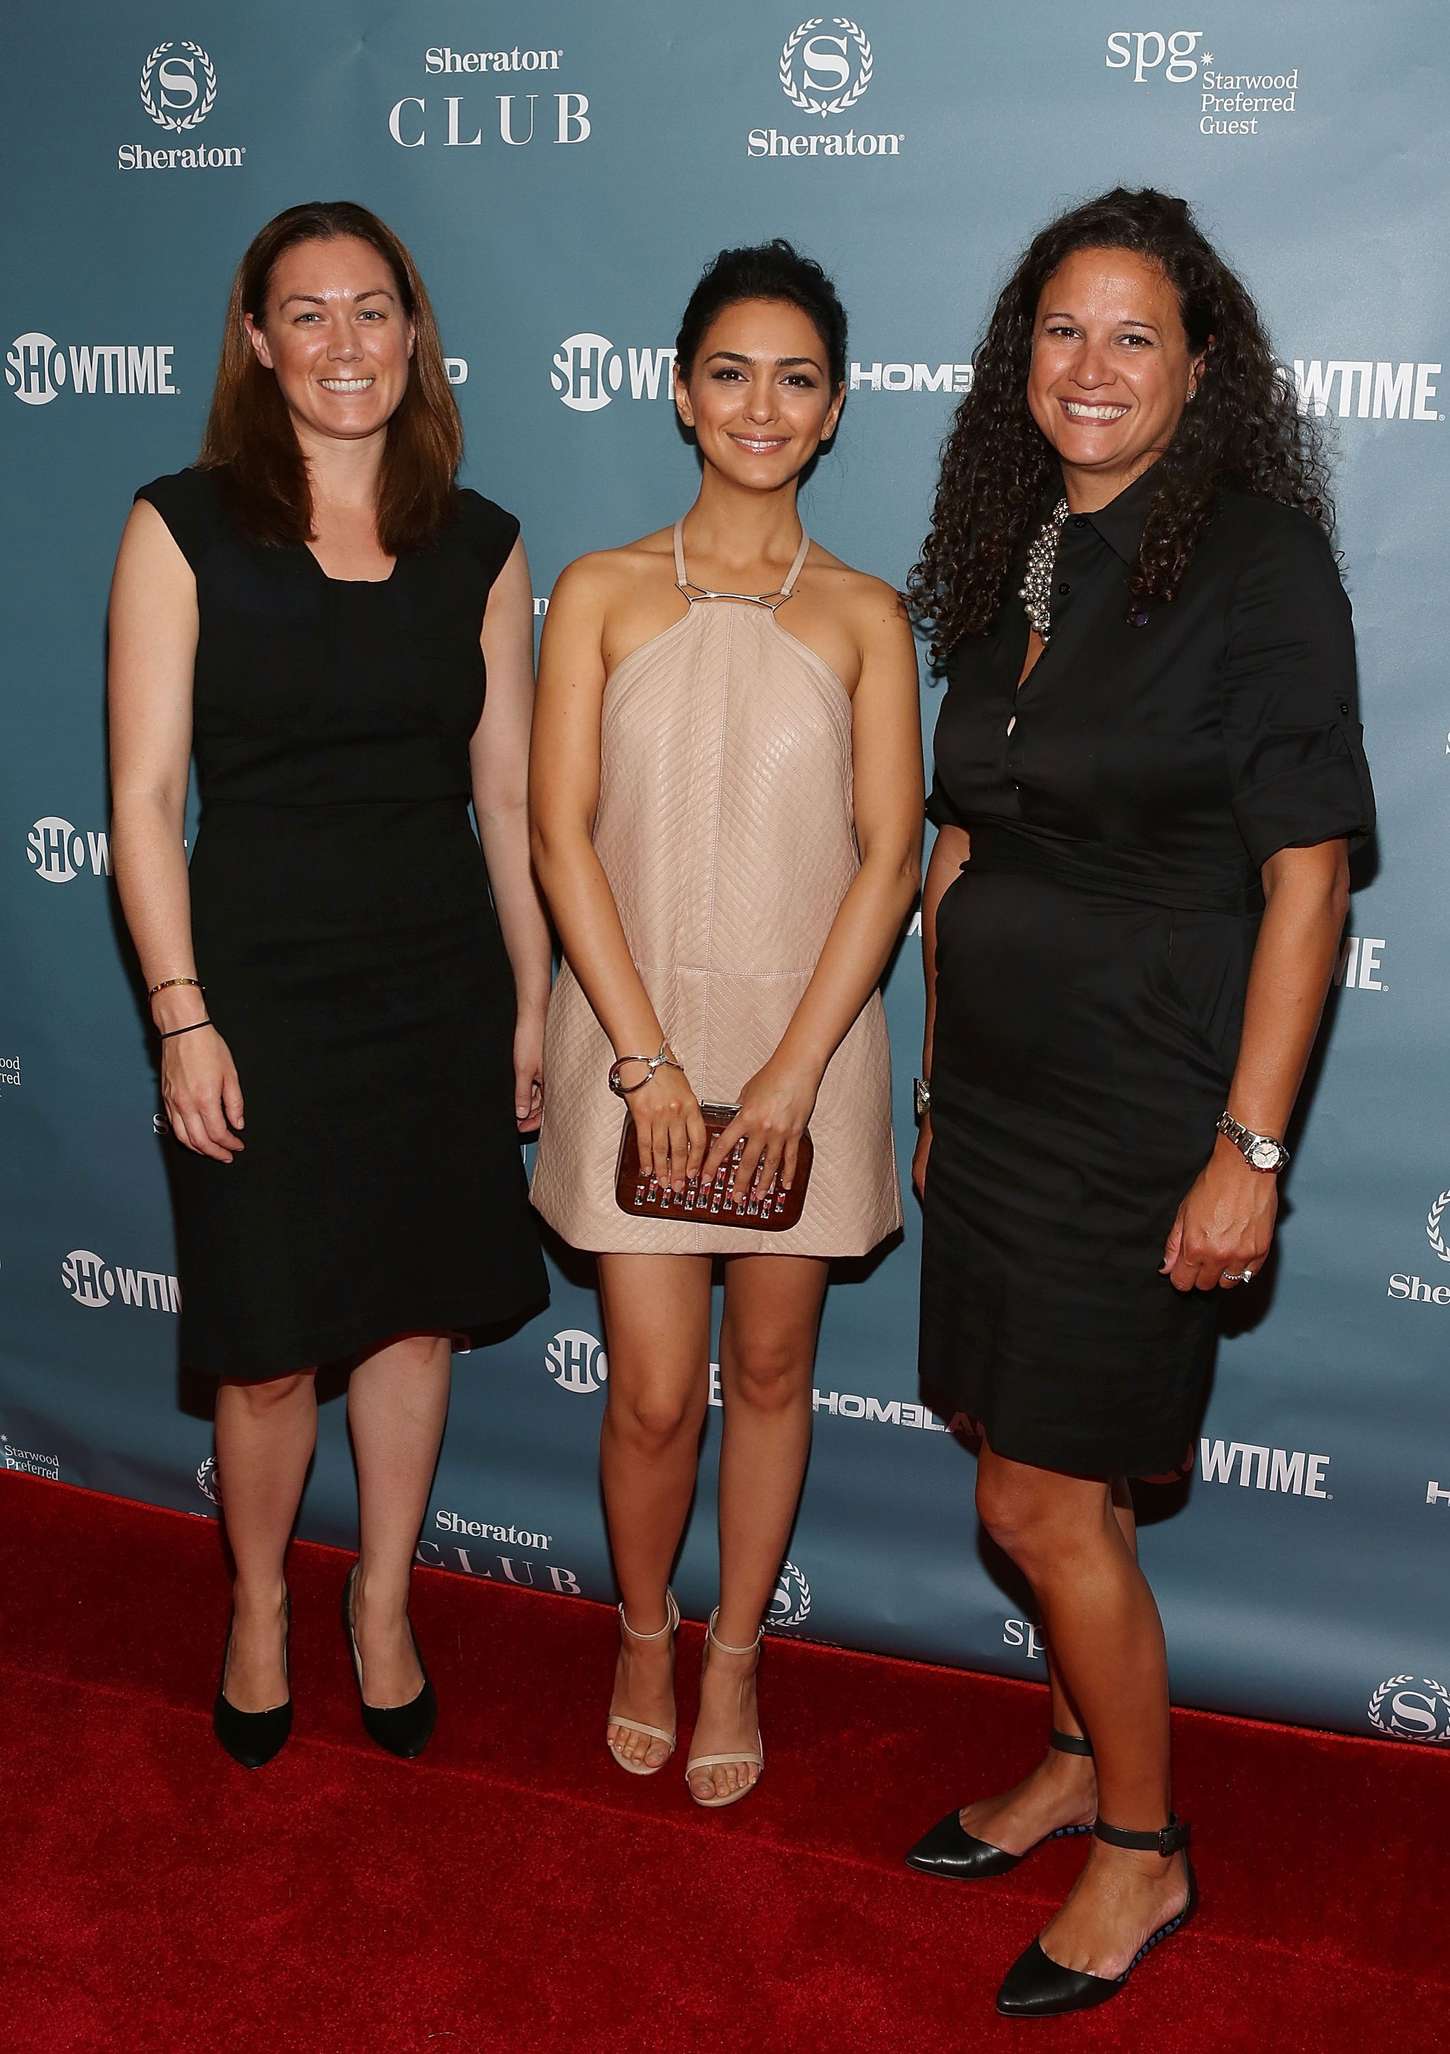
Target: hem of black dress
355,1343
1079,1460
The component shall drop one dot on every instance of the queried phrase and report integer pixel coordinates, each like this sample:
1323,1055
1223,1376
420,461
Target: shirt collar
1120,522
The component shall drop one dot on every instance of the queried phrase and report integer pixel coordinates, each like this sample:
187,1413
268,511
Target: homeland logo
1411,1708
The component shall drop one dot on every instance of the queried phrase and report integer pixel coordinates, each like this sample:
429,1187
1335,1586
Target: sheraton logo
499,1568
95,1283
179,90
1418,1290
480,1529
458,121
791,1605
1411,1708
825,67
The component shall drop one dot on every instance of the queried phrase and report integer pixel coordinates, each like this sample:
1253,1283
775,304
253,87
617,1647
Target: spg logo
178,92
588,371
1411,1708
1145,50
791,1605
577,1362
825,74
58,852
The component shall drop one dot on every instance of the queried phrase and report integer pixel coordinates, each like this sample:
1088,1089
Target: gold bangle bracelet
167,983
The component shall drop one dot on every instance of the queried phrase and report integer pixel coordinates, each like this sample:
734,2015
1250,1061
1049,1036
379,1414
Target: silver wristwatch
1259,1151
921,1093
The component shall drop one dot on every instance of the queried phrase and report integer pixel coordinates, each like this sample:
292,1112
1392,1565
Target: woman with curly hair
1148,771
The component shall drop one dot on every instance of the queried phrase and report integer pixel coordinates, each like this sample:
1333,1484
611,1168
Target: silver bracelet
663,1061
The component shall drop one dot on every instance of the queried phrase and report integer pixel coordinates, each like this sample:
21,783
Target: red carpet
513,1893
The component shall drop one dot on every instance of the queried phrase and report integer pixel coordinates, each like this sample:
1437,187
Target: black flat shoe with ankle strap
949,1850
1036,1986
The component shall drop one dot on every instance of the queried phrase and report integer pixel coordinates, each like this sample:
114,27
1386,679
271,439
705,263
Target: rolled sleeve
1295,747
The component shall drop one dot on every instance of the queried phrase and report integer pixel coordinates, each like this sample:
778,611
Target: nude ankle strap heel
671,1625
750,1758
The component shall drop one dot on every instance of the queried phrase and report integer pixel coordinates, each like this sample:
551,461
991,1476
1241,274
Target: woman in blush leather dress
725,765
1148,773
351,1021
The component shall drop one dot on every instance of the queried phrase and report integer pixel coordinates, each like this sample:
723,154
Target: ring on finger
1237,1276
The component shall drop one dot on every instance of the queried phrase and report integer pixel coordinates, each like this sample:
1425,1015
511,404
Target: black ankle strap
1069,1743
1169,1839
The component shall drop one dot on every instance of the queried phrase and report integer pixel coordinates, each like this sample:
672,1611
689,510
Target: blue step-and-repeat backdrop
562,170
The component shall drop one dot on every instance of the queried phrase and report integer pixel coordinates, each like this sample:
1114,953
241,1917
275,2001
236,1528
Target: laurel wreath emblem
203,107
1394,1683
807,102
800,1611
1432,1226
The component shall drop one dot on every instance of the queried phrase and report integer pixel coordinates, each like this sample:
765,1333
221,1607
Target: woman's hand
1225,1224
528,1071
202,1096
775,1110
670,1127
920,1155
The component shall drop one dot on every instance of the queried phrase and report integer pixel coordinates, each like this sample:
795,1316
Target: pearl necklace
1036,590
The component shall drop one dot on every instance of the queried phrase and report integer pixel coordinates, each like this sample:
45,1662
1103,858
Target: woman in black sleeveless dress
352,1025
1148,767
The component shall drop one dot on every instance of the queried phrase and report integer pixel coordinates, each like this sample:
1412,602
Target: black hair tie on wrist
172,1032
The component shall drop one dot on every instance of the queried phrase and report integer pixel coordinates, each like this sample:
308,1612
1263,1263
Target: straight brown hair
250,432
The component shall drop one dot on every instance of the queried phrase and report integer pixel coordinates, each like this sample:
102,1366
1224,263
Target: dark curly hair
1243,432
765,271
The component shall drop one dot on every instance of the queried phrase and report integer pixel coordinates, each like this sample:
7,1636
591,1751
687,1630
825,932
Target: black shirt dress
1092,958
350,951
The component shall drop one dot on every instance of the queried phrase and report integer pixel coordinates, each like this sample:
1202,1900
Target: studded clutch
638,1193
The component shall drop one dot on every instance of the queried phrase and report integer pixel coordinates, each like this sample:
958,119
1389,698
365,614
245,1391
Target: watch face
923,1098
1264,1155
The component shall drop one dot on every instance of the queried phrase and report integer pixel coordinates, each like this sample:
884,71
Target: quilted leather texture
726,831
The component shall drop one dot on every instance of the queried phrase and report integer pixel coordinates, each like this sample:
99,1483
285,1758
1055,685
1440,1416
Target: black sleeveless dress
1093,956
350,951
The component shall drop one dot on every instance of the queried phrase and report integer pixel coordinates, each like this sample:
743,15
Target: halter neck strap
693,592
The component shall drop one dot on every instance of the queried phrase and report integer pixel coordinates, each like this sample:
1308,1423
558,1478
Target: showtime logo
94,1283
1359,966
577,1361
37,368
588,372
57,852
1264,1469
1362,389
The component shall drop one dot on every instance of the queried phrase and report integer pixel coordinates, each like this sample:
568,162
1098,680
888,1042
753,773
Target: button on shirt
1177,750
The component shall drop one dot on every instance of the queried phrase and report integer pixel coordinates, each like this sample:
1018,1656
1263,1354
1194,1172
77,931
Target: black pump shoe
404,1730
252,1738
949,1850
1036,1986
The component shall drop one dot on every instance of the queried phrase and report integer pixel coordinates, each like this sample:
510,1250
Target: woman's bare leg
657,1336
767,1349
1107,1641
1062,1789
397,1403
265,1435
